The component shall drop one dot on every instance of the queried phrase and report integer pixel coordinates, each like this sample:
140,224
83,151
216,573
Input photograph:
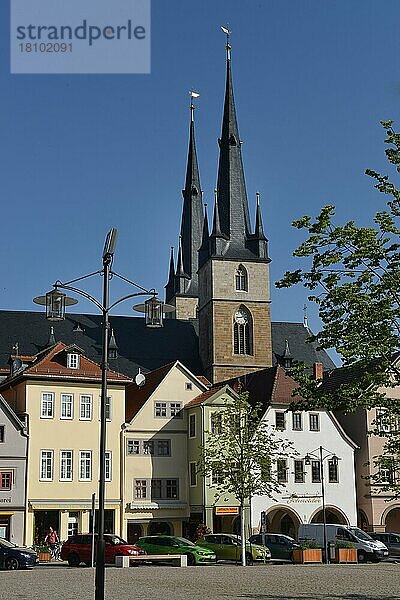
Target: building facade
155,490
13,460
58,393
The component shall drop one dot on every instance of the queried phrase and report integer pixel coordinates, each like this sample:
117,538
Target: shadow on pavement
328,596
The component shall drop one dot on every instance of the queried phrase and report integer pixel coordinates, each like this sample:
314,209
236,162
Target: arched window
241,282
242,332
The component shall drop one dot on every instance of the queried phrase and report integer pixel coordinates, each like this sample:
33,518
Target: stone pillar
84,524
63,526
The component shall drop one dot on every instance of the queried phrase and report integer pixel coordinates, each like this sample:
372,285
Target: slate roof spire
52,338
170,287
192,212
204,250
232,197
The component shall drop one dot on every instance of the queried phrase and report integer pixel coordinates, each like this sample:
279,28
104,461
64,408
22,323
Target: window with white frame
192,425
281,470
152,447
140,489
164,489
280,420
193,474
217,474
85,408
66,465
73,360
108,465
85,465
315,471
333,471
216,422
6,481
297,424
67,406
299,471
168,410
314,421
2,434
46,465
133,447
160,409
188,386
383,420
175,409
108,407
47,405
172,489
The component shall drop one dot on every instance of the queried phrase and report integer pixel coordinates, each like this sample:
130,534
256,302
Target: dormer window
73,360
241,283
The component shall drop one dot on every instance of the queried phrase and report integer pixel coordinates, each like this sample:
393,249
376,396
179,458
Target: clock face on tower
241,317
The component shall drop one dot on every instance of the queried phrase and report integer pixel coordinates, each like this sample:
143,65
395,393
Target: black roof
138,346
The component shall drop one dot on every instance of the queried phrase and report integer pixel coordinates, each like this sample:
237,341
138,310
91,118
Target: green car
227,546
170,544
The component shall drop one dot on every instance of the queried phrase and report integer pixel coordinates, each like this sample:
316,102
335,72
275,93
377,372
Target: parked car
391,541
78,548
281,546
16,557
170,544
367,548
227,546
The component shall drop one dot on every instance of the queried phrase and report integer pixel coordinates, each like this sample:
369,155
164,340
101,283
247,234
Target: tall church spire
192,213
170,287
232,198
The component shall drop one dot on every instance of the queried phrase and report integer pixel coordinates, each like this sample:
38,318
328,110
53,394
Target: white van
367,548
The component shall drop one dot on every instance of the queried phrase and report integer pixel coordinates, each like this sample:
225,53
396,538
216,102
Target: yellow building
155,468
58,390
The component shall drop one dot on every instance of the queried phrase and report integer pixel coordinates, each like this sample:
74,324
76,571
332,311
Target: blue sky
80,154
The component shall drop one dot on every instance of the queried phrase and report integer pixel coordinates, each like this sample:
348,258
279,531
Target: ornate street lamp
321,457
154,309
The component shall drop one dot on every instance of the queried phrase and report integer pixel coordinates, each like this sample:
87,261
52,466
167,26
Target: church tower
182,288
233,267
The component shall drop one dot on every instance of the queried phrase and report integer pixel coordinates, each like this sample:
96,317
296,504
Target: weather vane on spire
193,95
228,46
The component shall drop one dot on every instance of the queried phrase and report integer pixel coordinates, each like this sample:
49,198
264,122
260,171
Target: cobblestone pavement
261,582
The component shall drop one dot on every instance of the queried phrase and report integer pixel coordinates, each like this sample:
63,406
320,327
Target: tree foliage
243,451
353,275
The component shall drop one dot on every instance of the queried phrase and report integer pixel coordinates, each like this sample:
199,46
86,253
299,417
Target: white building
300,500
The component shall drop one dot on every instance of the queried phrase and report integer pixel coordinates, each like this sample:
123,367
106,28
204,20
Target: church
219,287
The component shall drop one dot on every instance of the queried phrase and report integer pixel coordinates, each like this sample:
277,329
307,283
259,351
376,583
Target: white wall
341,495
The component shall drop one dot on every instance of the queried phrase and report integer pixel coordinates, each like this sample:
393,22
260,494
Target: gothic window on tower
242,332
241,282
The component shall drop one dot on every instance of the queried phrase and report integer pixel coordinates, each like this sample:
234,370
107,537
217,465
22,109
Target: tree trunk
243,535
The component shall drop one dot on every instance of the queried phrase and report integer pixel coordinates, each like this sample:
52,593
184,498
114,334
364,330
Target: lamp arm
150,293
80,292
59,283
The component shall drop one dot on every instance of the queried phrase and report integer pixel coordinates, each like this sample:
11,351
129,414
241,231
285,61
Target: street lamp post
321,456
154,309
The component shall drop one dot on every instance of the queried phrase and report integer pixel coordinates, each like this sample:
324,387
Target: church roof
138,346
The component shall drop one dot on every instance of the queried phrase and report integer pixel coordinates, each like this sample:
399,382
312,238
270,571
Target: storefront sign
5,500
226,510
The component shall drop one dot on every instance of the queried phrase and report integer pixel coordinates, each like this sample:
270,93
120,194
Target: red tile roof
136,396
51,364
203,397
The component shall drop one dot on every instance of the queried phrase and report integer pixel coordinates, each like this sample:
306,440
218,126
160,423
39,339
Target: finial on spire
192,107
228,46
258,198
305,318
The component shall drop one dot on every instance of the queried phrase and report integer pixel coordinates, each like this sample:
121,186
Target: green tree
240,455
353,275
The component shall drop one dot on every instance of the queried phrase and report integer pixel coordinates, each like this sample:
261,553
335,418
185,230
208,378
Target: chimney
318,370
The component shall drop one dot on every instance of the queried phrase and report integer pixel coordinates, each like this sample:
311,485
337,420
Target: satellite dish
140,379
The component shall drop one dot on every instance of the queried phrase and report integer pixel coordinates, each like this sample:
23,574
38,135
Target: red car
78,548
